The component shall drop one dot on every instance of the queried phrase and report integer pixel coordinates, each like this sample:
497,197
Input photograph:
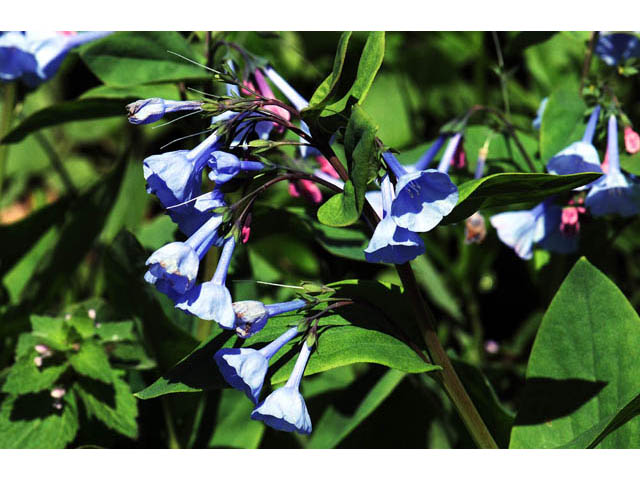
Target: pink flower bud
459,158
631,140
570,223
58,392
310,191
326,167
492,347
293,190
605,162
38,361
42,349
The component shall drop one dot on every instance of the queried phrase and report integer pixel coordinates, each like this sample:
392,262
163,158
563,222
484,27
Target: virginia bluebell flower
537,122
36,56
177,263
423,198
252,316
176,177
224,166
151,110
579,157
285,409
211,300
245,368
613,193
616,48
389,242
522,229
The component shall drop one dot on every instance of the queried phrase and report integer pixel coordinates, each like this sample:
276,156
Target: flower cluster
556,227
35,57
207,221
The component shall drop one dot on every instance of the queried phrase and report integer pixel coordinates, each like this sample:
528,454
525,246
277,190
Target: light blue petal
244,369
518,230
209,301
175,262
613,194
284,410
423,199
579,157
393,244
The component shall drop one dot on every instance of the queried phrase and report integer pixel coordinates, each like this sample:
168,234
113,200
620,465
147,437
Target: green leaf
326,90
30,421
113,405
503,189
361,151
368,331
333,427
234,427
562,122
18,238
116,331
92,361
131,58
71,111
630,163
340,210
52,331
25,377
583,368
592,437
342,242
435,286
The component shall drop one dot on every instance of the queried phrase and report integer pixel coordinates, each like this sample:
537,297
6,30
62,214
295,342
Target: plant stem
8,107
586,66
173,439
503,77
426,323
56,163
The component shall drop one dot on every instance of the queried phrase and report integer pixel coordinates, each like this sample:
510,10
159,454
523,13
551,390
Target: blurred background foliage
76,226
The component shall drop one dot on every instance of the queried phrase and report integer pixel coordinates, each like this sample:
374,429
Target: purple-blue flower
579,157
252,315
245,368
449,152
224,166
36,56
389,242
427,157
522,229
613,192
151,110
616,48
176,177
177,263
423,198
285,409
211,300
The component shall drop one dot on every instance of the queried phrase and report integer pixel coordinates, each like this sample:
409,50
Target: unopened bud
153,109
92,313
251,317
58,392
38,361
42,350
475,229
631,140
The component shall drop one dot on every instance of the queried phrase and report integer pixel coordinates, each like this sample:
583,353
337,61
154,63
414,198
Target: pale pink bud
492,347
605,162
92,314
631,140
310,190
42,349
326,167
570,223
38,361
58,392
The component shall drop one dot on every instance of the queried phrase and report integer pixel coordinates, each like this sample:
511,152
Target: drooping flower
224,166
176,264
36,56
522,229
423,198
613,193
579,157
285,408
212,300
151,110
616,48
245,368
252,315
537,122
389,242
450,153
631,140
264,128
570,220
305,188
176,177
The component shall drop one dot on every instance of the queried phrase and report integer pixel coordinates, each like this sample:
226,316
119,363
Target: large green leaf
583,370
92,361
502,189
71,111
333,426
326,90
562,122
368,331
234,427
340,210
361,151
131,58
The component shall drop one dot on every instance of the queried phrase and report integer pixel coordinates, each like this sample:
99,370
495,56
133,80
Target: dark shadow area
545,399
199,370
99,390
33,406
